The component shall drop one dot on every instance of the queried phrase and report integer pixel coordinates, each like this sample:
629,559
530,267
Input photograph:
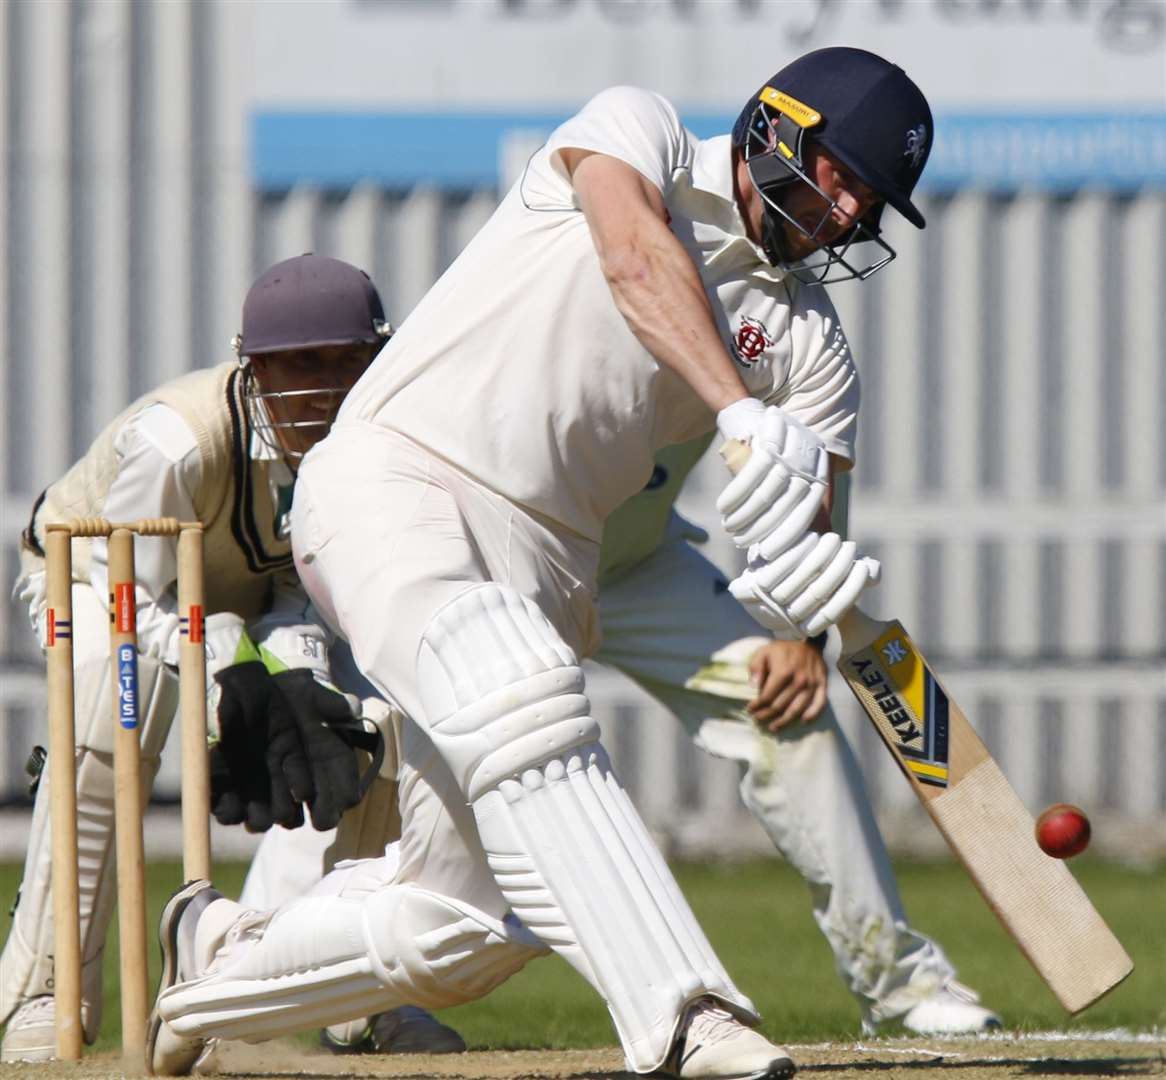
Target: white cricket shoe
712,1044
31,1034
406,1030
168,1053
953,1009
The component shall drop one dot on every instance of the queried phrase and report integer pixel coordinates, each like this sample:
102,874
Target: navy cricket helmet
860,108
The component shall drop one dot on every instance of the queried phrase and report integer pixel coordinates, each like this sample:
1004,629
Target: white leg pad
356,946
503,697
26,965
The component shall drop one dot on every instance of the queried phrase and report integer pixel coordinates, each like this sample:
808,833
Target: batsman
637,288
670,623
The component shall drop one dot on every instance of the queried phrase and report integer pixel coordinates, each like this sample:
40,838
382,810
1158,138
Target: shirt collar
261,450
712,175
712,172
280,482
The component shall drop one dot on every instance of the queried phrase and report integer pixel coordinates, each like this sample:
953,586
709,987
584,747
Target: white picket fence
1012,456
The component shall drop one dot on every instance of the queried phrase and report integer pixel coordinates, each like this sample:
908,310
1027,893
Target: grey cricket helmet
310,301
307,303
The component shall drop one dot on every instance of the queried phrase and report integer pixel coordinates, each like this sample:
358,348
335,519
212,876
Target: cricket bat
987,827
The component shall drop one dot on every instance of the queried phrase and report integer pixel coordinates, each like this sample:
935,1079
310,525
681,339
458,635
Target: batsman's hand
807,588
777,493
285,741
790,677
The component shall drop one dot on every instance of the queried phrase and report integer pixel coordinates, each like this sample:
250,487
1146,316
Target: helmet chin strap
774,241
769,176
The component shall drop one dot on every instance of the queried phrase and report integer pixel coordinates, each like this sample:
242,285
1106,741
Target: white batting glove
808,587
776,495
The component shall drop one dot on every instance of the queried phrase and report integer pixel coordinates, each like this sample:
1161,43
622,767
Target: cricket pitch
1118,1053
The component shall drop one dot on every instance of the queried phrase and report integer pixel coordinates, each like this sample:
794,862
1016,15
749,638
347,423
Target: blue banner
1006,153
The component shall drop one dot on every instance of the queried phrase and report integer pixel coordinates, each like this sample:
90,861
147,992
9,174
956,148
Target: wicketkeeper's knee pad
501,689
26,964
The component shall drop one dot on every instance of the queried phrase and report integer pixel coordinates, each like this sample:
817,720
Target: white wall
1012,459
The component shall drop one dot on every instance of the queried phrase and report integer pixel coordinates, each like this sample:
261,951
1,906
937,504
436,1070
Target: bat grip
735,453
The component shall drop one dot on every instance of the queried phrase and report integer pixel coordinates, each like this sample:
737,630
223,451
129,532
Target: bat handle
857,630
735,453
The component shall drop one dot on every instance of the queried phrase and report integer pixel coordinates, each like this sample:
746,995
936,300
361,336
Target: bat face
906,702
986,825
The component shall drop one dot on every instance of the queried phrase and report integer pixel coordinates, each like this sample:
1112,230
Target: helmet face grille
774,167
292,398
273,416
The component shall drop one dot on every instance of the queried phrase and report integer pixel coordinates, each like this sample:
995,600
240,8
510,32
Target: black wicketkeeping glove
327,734
252,709
285,741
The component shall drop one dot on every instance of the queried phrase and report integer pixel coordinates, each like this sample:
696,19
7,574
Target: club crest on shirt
750,341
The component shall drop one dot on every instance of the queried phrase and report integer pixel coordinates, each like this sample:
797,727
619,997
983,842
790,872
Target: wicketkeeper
222,446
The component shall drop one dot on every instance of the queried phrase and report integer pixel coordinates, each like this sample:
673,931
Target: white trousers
385,538
661,622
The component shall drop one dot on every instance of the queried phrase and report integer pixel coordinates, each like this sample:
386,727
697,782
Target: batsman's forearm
659,293
653,280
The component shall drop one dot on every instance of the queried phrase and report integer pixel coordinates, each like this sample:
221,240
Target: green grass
758,917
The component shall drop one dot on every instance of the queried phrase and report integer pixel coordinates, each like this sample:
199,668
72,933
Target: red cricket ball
1063,831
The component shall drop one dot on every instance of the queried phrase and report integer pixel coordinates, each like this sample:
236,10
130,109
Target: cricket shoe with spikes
405,1030
31,1034
168,1053
953,1009
712,1044
31,1031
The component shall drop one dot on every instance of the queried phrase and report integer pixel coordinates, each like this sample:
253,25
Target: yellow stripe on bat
938,771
